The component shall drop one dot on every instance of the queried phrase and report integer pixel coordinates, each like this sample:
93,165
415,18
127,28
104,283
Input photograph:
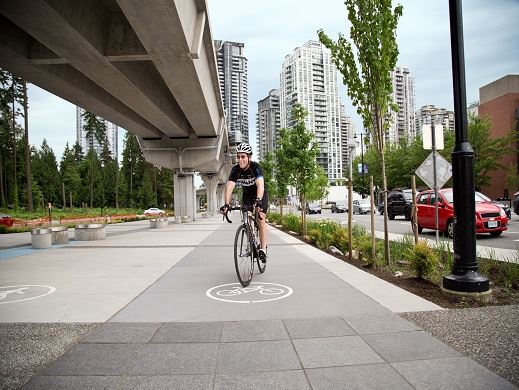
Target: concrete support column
185,194
220,193
211,182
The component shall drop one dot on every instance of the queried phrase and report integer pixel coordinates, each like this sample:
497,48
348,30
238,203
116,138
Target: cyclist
249,175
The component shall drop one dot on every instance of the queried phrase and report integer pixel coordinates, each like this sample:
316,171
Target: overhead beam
167,31
77,33
66,82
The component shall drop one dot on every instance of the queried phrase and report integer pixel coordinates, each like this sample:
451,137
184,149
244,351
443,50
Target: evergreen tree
94,129
146,194
132,170
46,174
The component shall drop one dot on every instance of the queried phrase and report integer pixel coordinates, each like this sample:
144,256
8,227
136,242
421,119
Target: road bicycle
247,244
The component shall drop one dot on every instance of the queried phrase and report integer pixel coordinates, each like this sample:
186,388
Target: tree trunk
15,179
303,215
117,186
92,172
2,189
30,203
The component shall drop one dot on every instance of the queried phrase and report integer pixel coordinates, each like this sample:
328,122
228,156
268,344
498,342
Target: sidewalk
163,309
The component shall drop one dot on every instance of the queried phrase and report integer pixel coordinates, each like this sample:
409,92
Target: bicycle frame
248,249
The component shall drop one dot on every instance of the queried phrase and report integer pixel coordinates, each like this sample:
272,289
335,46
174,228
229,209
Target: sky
272,29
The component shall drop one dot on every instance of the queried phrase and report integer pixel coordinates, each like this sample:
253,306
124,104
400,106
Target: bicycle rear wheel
243,256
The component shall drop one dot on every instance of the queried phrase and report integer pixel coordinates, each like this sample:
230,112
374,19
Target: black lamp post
464,276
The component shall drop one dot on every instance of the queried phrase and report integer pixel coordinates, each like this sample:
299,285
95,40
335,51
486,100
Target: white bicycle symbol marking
256,292
245,290
20,290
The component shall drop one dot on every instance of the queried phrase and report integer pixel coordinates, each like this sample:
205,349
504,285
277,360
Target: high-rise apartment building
347,135
268,123
309,77
431,114
232,73
402,122
111,134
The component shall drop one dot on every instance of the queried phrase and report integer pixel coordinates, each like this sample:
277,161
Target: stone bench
158,223
59,235
177,220
90,232
186,219
41,238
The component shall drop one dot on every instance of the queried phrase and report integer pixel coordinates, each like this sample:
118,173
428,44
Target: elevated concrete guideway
147,67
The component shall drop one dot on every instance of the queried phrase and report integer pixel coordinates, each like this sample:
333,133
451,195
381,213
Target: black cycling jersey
247,179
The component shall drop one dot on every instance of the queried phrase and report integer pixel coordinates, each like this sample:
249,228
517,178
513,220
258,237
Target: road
508,240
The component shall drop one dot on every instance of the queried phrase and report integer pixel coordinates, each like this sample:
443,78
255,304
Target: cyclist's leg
262,225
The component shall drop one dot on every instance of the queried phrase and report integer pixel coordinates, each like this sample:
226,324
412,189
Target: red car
6,220
489,217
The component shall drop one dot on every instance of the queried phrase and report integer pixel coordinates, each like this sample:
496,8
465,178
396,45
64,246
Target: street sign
443,171
362,171
427,137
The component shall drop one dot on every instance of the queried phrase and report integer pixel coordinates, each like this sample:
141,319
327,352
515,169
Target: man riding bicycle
249,175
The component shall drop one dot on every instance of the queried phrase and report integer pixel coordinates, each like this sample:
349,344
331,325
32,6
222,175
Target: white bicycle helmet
244,148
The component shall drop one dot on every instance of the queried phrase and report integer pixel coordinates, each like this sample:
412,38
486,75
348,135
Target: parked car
313,208
515,203
339,207
361,206
6,220
489,217
154,212
400,202
484,198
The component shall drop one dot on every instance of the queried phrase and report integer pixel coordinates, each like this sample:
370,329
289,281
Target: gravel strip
26,348
489,335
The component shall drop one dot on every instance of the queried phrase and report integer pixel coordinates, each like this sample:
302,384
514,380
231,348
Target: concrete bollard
90,232
59,235
158,223
186,219
41,238
177,220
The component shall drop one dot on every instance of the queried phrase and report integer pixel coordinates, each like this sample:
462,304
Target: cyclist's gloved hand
258,203
224,208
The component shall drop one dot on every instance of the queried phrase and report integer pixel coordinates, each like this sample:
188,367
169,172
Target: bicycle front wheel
243,256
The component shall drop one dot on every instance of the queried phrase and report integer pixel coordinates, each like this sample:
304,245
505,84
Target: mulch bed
425,288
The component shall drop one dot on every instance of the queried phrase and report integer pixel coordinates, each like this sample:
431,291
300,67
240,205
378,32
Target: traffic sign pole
435,184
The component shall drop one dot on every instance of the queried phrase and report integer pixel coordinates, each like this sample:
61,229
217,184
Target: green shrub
341,240
399,248
358,231
423,259
362,243
502,273
292,223
274,217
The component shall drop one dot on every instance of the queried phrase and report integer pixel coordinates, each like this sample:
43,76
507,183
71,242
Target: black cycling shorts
249,202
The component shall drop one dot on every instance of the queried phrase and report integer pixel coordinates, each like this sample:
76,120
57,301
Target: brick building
499,100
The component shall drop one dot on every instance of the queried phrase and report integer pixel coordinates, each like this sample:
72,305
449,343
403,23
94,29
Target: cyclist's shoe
262,255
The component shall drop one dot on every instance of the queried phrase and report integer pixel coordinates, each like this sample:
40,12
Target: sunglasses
241,156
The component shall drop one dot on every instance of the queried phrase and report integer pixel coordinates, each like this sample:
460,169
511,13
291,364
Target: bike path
159,328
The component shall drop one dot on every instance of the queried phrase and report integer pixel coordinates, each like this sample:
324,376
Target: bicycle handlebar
237,208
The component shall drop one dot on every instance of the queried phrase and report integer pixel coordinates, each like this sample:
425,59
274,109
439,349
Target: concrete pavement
169,313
